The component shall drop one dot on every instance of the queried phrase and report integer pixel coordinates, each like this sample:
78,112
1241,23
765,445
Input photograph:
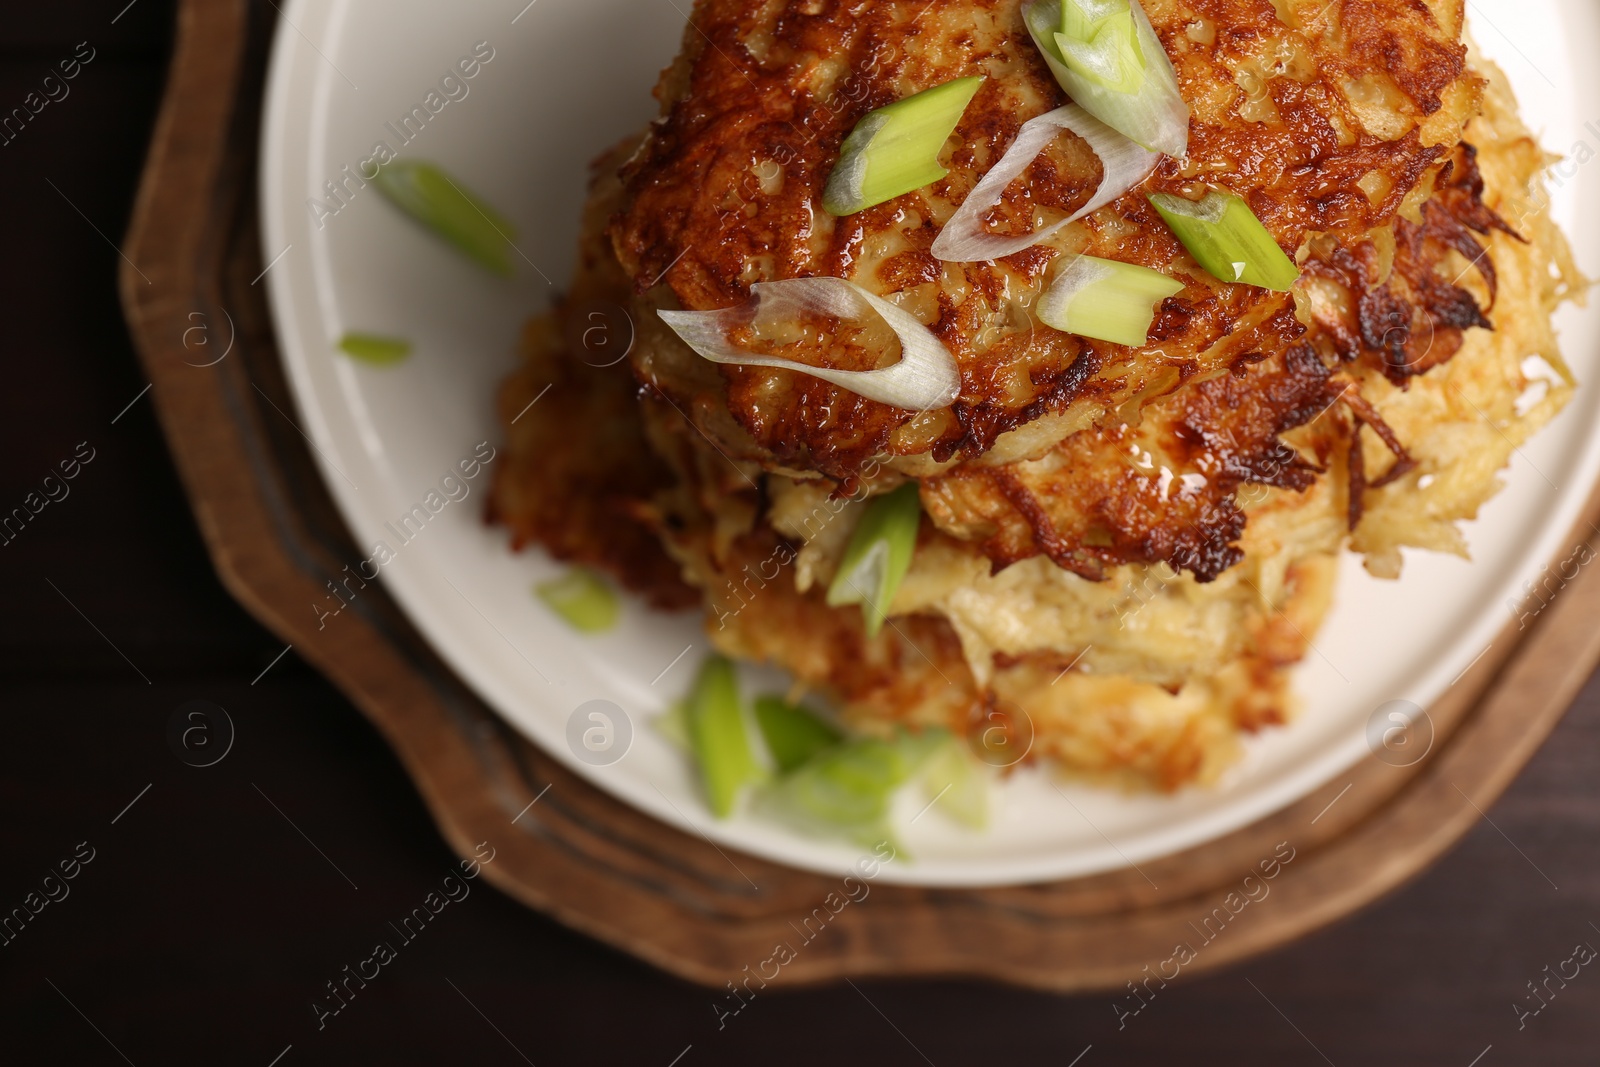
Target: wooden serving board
603,868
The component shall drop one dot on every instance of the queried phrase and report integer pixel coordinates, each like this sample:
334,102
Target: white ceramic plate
568,78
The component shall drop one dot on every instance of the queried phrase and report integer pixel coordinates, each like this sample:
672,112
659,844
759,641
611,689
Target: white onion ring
1125,164
925,376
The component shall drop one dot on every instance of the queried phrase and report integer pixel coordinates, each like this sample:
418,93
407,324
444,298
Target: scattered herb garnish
718,737
793,734
895,149
1105,300
878,556
1107,57
583,599
374,349
443,205
1225,237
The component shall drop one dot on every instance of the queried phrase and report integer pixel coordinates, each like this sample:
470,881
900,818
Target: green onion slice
895,149
1099,40
583,599
1107,57
845,790
1082,20
878,556
1123,165
1225,237
371,348
793,734
925,377
717,735
673,724
1105,300
442,204
849,789
955,781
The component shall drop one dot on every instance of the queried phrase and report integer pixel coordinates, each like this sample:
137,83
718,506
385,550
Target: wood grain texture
614,873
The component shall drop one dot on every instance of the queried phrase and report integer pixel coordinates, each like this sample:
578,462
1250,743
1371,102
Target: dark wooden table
220,901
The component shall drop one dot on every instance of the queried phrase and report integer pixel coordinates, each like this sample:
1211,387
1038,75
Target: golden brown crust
1322,124
575,478
578,475
1407,315
1162,490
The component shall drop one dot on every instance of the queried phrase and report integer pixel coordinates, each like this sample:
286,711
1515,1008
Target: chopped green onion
895,149
1105,300
878,556
844,790
1099,40
1107,57
1123,165
371,348
1082,19
434,199
1225,237
850,787
925,376
793,734
918,748
673,724
955,781
583,599
717,734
